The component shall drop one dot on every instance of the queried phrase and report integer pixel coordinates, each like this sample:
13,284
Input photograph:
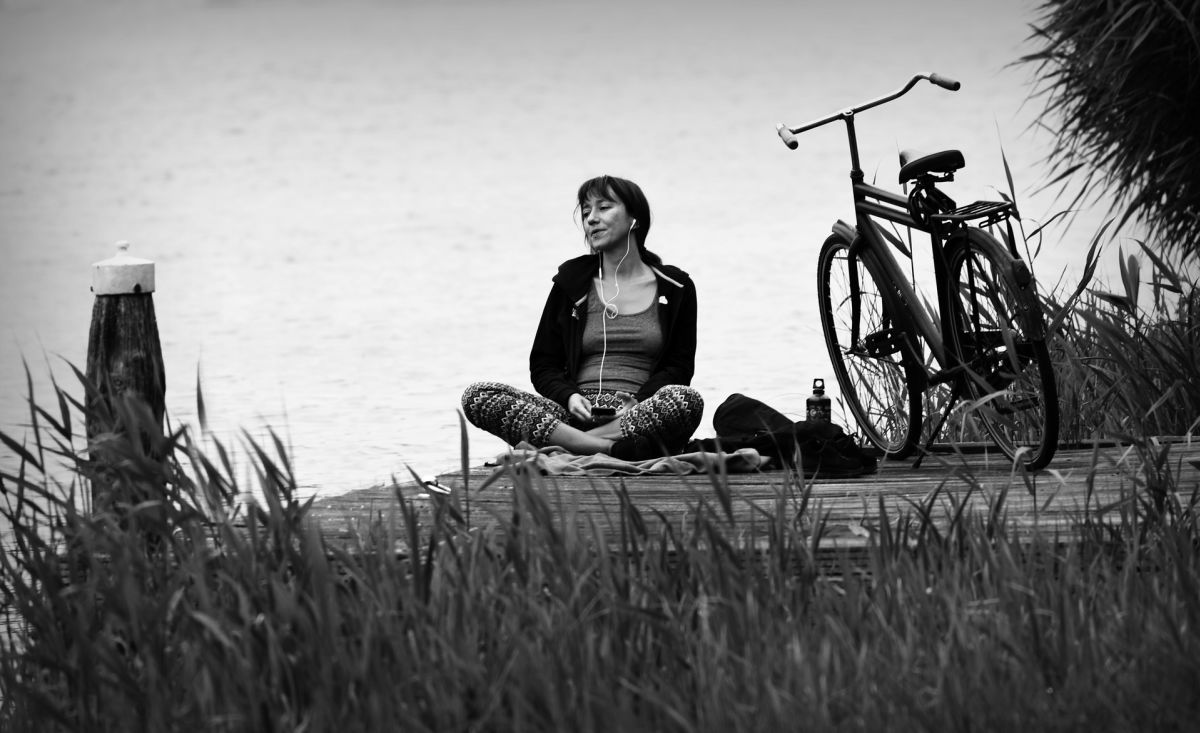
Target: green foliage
1122,95
1126,361
173,611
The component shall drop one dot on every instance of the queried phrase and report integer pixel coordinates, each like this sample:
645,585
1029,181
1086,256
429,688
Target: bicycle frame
868,241
987,338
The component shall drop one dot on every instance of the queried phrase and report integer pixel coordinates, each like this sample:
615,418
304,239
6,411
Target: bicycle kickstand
955,393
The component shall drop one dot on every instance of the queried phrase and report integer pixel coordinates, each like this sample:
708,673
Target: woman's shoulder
583,263
578,272
575,275
671,273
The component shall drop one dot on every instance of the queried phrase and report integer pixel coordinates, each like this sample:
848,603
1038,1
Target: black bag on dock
825,449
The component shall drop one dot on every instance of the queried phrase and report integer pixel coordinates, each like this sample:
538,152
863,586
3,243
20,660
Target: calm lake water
355,208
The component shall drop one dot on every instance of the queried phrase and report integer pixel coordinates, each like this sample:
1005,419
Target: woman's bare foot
609,430
580,442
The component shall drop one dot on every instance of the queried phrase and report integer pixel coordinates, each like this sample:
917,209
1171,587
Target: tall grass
1126,357
1127,361
1118,84
173,611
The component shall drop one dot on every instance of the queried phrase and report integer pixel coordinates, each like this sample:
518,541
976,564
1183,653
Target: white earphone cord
604,316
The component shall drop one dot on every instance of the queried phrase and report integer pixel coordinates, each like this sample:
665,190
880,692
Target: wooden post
124,357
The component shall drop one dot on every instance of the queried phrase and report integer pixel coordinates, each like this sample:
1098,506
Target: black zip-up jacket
558,346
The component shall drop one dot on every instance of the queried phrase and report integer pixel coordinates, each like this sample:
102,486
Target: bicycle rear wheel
1000,336
867,348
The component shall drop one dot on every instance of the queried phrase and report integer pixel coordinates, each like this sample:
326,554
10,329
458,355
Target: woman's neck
632,267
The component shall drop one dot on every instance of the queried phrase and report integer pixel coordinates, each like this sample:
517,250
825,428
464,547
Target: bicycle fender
849,233
1029,310
1024,286
897,310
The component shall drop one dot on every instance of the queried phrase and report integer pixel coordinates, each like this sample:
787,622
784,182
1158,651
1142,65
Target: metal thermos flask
818,404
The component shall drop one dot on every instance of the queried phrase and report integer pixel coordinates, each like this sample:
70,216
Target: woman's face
606,223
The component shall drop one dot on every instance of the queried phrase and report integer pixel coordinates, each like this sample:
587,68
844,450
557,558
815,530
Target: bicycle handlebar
788,134
944,82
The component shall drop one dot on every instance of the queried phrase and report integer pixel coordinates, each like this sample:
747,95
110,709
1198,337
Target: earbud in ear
633,225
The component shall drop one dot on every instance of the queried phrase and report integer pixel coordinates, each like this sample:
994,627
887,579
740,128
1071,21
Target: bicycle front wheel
868,349
999,334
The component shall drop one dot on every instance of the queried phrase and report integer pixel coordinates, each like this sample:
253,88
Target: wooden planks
1100,481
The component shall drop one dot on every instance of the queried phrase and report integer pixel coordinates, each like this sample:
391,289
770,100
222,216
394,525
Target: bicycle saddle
913,164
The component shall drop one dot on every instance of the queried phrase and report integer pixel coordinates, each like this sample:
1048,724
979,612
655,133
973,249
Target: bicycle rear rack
992,211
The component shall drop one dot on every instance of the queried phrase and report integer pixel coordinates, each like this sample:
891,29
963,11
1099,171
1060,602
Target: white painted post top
122,274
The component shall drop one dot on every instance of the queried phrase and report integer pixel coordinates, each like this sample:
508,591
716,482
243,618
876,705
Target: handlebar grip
786,135
945,82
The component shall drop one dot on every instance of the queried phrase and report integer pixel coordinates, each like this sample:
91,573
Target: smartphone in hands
604,412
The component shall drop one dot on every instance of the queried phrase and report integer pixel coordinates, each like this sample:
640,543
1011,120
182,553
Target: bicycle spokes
1005,363
990,348
866,348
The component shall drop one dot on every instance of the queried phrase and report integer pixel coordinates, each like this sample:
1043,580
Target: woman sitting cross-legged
615,349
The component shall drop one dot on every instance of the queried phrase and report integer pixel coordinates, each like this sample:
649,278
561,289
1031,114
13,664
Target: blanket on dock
555,461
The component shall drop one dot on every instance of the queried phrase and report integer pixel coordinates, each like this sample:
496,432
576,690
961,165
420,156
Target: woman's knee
685,400
674,408
477,397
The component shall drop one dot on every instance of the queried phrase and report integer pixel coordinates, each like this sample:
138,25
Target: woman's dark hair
631,196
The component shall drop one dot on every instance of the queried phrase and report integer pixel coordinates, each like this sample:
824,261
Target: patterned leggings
669,416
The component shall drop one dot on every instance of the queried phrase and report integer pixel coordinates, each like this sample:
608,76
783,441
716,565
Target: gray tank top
634,343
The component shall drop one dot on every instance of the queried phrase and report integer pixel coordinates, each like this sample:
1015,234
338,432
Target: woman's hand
579,406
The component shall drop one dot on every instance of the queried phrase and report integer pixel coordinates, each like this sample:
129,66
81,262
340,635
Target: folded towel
555,461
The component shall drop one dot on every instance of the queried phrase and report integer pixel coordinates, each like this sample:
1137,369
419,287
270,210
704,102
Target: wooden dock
1100,481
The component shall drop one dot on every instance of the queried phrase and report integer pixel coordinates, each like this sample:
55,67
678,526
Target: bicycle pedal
883,343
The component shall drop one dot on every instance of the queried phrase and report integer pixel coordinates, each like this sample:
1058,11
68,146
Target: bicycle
989,341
